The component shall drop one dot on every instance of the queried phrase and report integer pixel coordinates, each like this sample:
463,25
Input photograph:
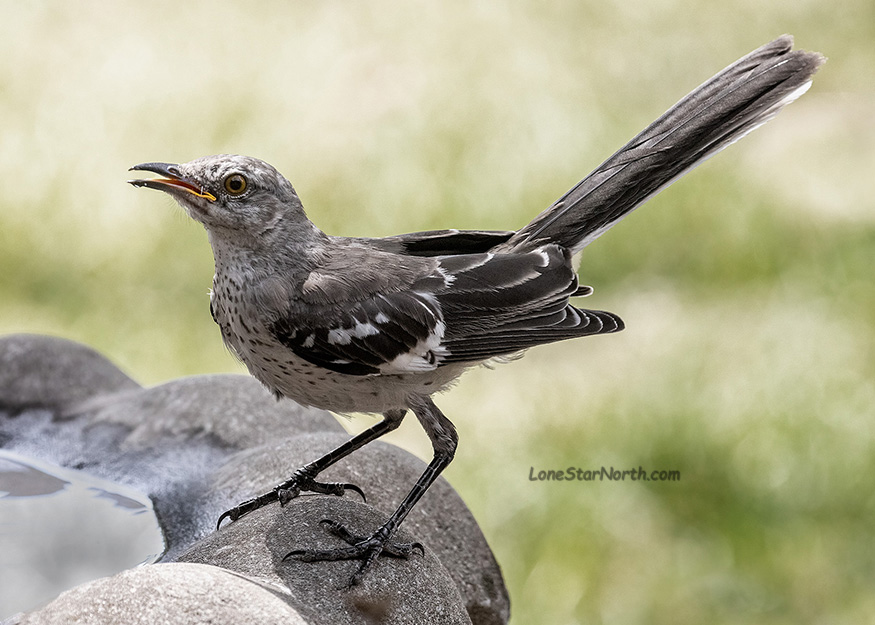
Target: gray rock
416,590
441,521
48,372
233,411
74,408
170,594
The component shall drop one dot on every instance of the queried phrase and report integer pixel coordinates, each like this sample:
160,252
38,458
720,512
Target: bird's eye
235,184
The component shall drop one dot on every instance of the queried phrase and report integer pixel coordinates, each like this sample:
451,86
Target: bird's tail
728,106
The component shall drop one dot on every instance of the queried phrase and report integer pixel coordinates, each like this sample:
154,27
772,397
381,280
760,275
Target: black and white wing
500,304
385,333
465,309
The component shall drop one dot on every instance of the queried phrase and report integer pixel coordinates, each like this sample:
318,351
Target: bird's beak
172,181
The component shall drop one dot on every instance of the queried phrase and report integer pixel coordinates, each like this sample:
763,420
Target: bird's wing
462,309
500,304
442,242
397,332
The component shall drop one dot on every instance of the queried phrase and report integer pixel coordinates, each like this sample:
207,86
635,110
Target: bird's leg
303,480
367,548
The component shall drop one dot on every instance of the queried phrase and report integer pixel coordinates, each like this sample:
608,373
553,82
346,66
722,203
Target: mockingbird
380,325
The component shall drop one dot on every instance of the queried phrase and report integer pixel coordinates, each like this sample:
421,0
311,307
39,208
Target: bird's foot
301,481
364,548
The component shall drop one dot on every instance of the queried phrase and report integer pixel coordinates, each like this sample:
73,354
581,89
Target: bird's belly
313,385
284,373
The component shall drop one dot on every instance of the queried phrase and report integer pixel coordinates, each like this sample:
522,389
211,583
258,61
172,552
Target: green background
747,288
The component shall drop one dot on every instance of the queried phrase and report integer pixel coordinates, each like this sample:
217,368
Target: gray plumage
380,325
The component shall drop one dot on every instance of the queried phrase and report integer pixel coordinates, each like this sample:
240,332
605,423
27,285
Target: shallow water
60,528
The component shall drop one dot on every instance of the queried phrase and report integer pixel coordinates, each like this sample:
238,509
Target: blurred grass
747,287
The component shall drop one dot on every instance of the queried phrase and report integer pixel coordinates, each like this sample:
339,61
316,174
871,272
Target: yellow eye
235,184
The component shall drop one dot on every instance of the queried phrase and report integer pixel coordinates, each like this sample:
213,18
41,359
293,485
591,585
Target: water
60,528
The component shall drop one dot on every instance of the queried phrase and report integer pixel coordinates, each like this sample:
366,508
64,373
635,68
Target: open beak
172,180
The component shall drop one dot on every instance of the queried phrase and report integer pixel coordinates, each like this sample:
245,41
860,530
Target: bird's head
228,192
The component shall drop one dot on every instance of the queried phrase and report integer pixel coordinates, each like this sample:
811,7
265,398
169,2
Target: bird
381,325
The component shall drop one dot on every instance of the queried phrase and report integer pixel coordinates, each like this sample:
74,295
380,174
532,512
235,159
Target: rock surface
196,446
170,594
417,590
48,372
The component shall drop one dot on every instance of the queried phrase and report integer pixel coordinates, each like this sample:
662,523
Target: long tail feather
742,97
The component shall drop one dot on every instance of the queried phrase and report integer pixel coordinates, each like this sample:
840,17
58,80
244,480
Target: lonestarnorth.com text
576,474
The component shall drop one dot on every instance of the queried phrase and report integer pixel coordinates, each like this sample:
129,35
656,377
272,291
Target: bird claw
248,506
287,491
364,548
